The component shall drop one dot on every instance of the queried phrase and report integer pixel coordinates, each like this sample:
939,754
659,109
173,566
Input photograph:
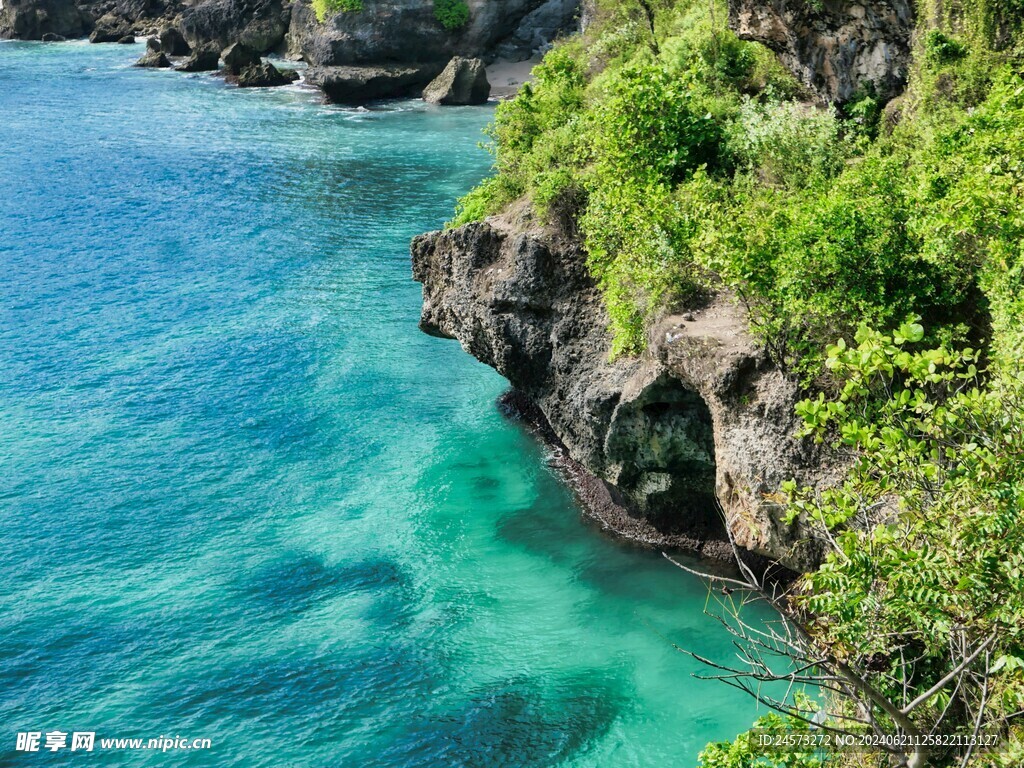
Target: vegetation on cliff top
324,8
688,162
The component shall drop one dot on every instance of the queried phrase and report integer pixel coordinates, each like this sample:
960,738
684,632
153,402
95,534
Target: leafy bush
452,14
326,8
810,217
942,49
926,534
787,143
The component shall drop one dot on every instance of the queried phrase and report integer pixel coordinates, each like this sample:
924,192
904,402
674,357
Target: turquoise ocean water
243,498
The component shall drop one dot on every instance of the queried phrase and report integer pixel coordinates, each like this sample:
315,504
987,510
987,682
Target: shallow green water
243,498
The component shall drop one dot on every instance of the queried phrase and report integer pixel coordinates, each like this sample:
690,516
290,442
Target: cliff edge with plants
755,268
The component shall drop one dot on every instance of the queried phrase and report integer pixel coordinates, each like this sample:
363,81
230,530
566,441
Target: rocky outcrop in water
463,81
836,47
702,419
358,85
154,60
205,59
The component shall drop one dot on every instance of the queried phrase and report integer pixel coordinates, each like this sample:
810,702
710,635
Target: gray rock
259,24
152,44
51,37
110,28
463,81
262,74
538,28
154,60
201,60
836,48
36,19
701,419
238,56
358,85
127,40
173,43
405,32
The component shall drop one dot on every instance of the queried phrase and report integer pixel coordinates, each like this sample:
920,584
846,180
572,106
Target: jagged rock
702,418
154,60
262,74
127,40
238,56
173,43
259,24
408,32
539,27
201,60
110,28
51,37
463,81
152,44
36,19
358,85
835,47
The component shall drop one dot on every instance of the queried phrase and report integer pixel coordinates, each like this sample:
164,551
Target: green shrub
453,14
941,48
787,143
326,8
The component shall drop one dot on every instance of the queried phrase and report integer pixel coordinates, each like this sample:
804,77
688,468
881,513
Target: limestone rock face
358,85
173,43
36,19
110,28
701,419
259,24
836,48
463,81
407,31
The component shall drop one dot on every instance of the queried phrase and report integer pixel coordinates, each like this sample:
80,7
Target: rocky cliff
700,422
836,47
389,48
408,32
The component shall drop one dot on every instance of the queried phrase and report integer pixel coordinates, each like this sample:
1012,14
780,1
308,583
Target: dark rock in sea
36,19
258,24
50,37
152,44
154,60
653,444
201,60
173,43
291,75
261,75
127,40
463,81
110,28
358,85
239,56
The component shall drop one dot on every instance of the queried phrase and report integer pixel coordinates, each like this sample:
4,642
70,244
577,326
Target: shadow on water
519,722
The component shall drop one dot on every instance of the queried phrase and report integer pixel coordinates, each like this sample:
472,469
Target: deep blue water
243,498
